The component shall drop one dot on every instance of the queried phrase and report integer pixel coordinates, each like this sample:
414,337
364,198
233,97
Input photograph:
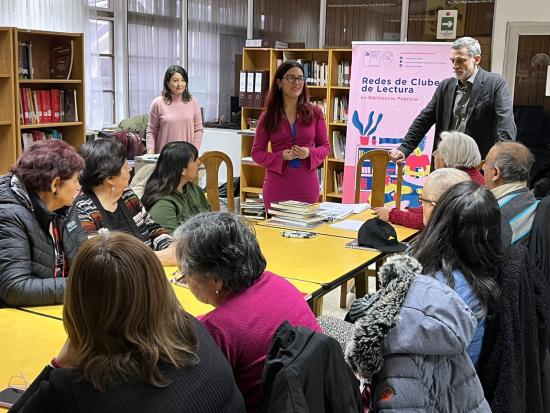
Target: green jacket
172,210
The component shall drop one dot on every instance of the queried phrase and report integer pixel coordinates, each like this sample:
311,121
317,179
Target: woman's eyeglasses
294,79
421,199
179,279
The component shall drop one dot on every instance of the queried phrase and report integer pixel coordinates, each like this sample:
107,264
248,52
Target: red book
54,101
39,106
26,119
46,105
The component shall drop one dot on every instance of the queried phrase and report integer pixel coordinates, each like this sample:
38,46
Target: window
351,20
288,21
102,28
216,37
154,44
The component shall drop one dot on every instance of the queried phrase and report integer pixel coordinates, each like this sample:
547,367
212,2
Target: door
527,71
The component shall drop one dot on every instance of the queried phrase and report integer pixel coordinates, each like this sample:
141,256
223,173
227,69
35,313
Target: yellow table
27,342
403,233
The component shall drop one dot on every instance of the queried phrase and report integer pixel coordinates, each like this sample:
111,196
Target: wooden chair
212,161
379,160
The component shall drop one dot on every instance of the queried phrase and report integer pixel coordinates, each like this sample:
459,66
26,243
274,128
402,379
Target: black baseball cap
380,235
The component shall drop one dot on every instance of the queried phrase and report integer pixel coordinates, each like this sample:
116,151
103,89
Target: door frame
513,31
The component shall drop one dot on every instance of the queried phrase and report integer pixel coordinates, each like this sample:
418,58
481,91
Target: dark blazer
206,387
306,372
489,114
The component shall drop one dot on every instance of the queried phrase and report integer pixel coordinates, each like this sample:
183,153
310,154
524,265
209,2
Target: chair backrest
379,160
212,161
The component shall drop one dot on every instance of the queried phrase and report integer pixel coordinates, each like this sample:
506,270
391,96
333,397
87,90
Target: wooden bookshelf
42,43
333,165
8,127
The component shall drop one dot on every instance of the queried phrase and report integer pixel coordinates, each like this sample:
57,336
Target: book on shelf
25,60
261,87
320,103
242,88
62,56
253,208
38,106
338,144
277,44
70,112
340,112
29,137
338,177
344,69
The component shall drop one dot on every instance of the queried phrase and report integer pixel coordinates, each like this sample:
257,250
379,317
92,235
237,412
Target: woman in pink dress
297,132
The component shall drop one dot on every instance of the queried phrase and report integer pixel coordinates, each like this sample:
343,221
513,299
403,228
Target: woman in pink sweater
222,263
456,150
298,135
175,115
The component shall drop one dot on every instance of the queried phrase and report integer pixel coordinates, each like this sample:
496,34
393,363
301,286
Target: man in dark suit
473,101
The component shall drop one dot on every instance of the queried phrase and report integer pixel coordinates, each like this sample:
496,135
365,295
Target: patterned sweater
87,216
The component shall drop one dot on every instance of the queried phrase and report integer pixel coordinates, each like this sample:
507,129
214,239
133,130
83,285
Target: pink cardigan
178,121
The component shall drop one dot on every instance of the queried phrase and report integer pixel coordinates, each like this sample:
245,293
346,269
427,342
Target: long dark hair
173,159
186,96
274,110
464,234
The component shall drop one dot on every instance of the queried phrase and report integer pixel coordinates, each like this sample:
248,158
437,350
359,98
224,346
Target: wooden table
403,233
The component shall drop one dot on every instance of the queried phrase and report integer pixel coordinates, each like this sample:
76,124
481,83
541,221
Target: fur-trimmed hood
412,314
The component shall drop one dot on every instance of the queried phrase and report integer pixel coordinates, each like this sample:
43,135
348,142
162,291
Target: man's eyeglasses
294,79
424,200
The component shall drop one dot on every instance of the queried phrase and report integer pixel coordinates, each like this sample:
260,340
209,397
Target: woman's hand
288,155
300,152
150,151
67,354
383,213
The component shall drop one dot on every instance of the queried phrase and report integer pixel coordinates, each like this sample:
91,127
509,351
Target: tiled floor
331,301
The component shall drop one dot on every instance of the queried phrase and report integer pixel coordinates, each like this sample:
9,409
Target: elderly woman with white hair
456,150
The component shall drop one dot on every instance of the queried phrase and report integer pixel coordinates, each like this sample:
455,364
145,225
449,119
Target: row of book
338,177
253,208
340,109
320,103
61,59
47,106
295,213
315,72
339,144
29,137
253,88
344,70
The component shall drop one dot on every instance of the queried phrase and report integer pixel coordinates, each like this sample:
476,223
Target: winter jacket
412,345
27,253
305,372
514,343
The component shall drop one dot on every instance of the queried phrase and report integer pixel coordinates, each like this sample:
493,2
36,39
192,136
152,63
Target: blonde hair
122,316
458,150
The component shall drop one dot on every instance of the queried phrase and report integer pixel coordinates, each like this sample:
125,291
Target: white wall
514,11
226,141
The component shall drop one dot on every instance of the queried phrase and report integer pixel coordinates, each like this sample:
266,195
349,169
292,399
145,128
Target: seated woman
105,201
461,247
131,347
170,195
455,150
410,345
221,262
34,194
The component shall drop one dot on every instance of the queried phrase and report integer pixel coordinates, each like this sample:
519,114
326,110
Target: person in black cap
460,246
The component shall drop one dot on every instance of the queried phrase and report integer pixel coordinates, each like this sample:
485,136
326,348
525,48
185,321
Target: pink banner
390,84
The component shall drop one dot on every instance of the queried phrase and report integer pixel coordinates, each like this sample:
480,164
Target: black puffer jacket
27,254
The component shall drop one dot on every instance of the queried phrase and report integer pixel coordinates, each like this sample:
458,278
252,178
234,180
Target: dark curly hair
220,246
45,160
